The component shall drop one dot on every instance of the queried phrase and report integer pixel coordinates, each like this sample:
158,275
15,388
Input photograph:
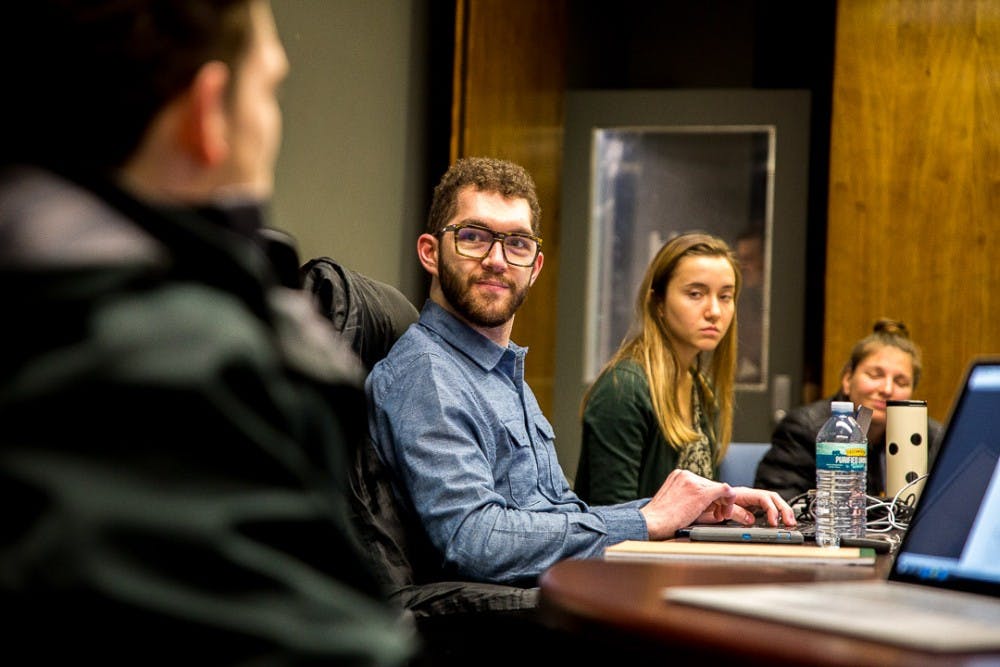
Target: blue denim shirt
473,456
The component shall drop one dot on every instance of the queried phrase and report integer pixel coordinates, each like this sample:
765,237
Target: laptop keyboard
912,603
905,614
935,601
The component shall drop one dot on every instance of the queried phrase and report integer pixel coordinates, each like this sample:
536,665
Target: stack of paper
774,554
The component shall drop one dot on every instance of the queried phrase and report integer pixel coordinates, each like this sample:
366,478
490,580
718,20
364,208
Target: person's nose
888,386
495,259
714,309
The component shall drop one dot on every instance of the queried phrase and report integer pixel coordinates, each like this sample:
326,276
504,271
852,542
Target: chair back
372,316
739,466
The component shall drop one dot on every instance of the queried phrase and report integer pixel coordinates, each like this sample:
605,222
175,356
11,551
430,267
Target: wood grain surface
914,212
509,91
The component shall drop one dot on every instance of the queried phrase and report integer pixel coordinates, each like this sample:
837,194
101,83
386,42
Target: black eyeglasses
476,241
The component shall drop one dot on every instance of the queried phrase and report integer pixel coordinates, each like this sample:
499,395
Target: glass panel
651,183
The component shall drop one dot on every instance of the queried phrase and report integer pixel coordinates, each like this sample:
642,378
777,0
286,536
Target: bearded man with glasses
470,451
476,241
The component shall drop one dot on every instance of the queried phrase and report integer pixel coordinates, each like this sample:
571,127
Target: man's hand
686,498
770,501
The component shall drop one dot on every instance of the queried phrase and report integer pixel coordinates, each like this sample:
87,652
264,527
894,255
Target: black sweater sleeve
789,467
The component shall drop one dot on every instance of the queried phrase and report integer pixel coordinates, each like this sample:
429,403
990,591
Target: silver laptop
943,591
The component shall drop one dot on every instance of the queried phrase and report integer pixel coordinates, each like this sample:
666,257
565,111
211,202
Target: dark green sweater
176,430
623,453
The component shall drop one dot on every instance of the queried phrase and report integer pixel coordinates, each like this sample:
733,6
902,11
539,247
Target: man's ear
428,247
536,269
204,131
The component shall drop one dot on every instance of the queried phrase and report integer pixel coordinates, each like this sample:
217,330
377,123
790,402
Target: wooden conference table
617,607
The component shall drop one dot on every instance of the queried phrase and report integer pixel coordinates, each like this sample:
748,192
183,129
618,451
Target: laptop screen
954,536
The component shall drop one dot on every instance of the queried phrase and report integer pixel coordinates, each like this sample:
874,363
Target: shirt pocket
521,466
549,471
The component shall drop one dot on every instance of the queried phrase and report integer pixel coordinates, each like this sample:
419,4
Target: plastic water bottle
841,477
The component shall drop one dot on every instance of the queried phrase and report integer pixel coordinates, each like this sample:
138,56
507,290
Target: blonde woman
665,399
883,366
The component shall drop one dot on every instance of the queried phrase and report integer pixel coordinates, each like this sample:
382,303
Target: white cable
889,522
892,508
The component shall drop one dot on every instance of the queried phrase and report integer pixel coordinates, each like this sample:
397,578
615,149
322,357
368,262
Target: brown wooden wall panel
509,92
914,213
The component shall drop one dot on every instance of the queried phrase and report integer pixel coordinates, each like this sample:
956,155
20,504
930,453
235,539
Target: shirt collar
477,347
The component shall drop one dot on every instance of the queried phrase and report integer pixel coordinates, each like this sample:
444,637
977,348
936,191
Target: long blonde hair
650,346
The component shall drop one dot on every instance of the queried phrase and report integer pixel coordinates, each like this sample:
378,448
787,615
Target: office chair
459,621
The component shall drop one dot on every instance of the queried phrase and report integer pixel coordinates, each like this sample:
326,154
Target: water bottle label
841,456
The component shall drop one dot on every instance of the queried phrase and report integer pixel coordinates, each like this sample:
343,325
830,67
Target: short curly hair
486,175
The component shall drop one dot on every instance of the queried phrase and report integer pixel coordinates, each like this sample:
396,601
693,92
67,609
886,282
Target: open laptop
943,591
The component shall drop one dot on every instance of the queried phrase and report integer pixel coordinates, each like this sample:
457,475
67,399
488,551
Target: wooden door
509,83
914,224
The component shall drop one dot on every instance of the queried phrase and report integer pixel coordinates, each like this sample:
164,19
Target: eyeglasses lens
476,242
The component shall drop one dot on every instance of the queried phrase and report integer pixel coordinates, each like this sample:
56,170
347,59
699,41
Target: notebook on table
943,591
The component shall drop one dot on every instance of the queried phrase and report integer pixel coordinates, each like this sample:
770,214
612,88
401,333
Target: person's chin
488,312
878,415
708,344
490,299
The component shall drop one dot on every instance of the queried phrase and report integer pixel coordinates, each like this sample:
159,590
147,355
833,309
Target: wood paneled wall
509,89
914,212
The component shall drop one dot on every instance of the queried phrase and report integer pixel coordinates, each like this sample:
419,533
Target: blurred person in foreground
176,423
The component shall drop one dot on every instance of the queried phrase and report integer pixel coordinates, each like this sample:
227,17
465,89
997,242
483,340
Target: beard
482,311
